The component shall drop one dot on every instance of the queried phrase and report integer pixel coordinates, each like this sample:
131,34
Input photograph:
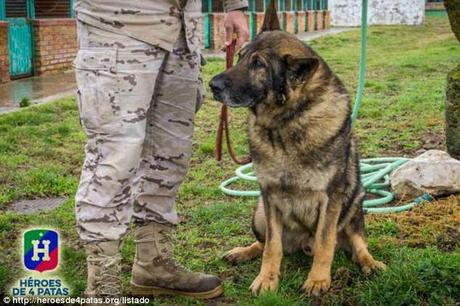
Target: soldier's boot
155,272
104,267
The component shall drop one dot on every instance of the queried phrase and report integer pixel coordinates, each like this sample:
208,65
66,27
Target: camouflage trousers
137,105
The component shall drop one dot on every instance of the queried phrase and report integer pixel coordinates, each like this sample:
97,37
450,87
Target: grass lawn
41,152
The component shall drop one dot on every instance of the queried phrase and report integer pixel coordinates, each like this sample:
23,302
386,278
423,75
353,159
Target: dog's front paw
264,283
313,286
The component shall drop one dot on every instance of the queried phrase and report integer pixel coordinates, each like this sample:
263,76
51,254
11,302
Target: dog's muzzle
218,85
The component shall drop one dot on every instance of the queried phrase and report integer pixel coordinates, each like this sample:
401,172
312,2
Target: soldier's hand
235,23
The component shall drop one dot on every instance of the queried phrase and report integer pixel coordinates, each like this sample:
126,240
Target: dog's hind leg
242,254
354,232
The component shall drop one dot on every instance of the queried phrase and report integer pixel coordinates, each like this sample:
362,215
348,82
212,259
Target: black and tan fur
305,157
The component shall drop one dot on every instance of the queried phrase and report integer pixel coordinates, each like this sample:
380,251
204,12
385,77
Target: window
15,8
52,9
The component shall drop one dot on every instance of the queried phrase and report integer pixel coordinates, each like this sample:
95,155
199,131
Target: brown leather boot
104,267
155,272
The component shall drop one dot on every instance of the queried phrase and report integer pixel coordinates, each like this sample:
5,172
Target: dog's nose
218,83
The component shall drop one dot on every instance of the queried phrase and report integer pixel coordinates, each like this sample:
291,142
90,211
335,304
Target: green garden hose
375,172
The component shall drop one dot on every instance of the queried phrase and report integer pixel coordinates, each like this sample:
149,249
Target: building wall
55,42
217,31
4,54
348,12
435,6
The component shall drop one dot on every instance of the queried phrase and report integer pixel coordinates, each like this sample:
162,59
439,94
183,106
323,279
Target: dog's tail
271,21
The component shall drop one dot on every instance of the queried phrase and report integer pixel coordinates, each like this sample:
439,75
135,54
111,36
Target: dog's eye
257,63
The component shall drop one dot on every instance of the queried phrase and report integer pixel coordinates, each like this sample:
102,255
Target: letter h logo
41,248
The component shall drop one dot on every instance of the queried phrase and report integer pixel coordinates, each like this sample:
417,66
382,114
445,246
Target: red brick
4,53
327,19
55,44
289,19
217,31
319,20
310,21
301,22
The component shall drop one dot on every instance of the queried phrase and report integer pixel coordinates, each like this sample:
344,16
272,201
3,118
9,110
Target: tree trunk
453,113
453,10
453,87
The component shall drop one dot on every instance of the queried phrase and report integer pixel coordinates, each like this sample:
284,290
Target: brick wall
327,19
310,21
439,6
301,22
217,31
319,20
55,42
322,17
259,21
4,54
289,18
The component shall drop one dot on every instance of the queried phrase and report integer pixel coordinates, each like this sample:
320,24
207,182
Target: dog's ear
271,21
301,68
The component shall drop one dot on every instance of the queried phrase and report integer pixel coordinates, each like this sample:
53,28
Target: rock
434,172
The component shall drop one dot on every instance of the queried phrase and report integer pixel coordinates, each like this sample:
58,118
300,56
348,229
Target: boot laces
108,281
168,257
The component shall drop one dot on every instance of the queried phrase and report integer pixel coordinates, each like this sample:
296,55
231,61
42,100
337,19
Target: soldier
139,86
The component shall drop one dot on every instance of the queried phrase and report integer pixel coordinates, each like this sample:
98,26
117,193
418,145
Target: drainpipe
31,17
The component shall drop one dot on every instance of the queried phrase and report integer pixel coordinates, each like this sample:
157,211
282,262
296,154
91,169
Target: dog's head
272,69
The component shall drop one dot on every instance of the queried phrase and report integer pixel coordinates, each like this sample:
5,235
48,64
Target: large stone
434,172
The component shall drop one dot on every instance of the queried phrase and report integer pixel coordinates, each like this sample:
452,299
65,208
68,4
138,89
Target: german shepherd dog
305,157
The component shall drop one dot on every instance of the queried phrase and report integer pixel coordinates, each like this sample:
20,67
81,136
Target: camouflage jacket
157,22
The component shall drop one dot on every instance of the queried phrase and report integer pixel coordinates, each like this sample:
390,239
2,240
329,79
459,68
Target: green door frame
315,16
252,19
282,8
72,14
294,10
30,7
2,10
266,2
206,25
304,8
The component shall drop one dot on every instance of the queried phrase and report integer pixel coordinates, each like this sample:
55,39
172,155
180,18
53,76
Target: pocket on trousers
95,70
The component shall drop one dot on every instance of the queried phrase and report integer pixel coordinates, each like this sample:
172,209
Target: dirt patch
434,223
449,240
205,245
432,140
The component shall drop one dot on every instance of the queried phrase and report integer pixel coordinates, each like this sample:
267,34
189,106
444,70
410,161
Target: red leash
223,122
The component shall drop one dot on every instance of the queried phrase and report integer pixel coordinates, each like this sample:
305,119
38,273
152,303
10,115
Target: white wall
346,13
